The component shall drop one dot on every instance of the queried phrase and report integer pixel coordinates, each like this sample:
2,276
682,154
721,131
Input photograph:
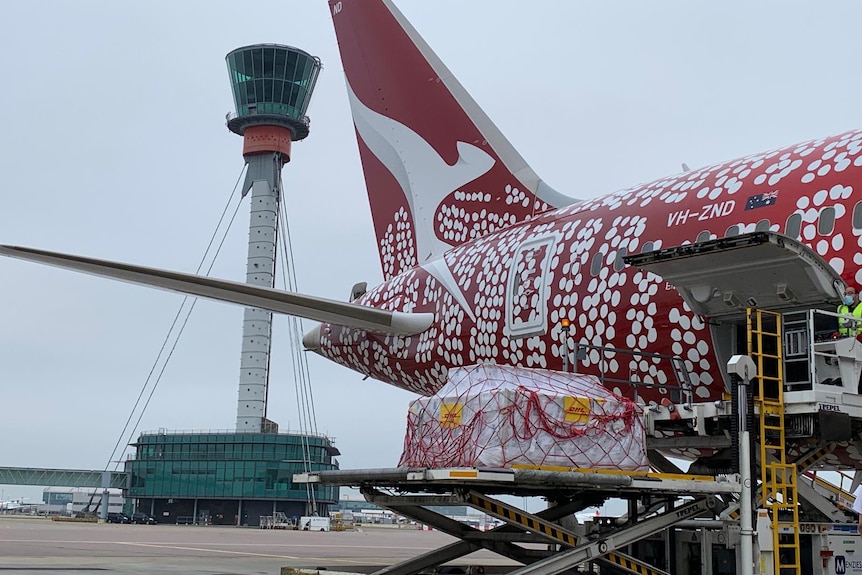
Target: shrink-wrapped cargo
501,416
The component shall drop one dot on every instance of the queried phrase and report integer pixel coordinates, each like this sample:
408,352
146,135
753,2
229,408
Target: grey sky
114,145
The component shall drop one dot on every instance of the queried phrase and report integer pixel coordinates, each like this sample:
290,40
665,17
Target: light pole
744,369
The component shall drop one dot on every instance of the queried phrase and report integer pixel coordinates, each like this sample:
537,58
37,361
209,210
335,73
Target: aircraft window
702,236
731,231
794,225
619,264
857,216
648,247
762,226
826,223
596,266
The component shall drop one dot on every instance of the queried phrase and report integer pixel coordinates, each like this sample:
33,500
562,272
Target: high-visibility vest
848,326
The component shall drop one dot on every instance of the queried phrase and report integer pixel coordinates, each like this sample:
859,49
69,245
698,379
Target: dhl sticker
450,415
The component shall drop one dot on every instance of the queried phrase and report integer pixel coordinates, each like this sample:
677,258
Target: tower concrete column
260,271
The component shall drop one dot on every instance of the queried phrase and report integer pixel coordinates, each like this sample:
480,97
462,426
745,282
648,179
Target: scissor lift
409,492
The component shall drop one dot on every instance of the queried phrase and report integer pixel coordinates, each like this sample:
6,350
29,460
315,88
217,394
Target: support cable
296,324
170,334
301,374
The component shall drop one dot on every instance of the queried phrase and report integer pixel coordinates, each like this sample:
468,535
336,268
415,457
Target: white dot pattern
397,247
465,216
608,304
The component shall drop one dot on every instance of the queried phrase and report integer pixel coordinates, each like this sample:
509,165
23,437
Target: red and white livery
483,260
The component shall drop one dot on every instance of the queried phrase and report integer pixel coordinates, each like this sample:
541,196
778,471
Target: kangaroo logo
425,178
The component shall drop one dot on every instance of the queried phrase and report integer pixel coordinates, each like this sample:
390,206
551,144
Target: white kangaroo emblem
425,178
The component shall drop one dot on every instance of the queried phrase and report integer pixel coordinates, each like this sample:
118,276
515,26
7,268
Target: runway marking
167,544
358,561
159,543
180,548
205,548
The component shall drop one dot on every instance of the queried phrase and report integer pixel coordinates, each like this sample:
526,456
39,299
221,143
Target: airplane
16,505
483,261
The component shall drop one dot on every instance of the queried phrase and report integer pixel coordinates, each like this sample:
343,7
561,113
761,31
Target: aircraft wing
309,307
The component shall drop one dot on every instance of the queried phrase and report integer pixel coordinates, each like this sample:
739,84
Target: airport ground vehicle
314,523
143,519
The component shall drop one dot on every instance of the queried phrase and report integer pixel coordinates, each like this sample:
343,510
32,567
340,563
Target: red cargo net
499,416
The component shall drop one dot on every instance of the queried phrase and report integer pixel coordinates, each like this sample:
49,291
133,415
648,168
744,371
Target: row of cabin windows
792,229
619,264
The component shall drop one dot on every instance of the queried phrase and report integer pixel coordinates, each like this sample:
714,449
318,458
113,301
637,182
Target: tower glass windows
272,79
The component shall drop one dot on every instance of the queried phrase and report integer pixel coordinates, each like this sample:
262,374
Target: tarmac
39,546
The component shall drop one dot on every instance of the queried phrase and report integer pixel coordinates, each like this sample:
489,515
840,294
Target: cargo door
720,279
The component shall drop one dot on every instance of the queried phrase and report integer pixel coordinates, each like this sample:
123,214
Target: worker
850,306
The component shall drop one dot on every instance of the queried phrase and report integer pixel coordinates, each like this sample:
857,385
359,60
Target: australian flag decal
761,200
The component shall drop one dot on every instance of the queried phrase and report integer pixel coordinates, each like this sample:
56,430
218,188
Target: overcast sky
114,145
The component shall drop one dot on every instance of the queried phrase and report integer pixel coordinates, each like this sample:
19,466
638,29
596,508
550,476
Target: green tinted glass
232,466
269,79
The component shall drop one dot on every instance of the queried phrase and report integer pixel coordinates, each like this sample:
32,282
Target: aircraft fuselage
500,298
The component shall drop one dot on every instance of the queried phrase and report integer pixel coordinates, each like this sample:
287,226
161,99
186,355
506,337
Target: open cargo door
720,278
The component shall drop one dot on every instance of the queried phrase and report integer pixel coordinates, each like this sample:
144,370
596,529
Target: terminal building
228,478
72,500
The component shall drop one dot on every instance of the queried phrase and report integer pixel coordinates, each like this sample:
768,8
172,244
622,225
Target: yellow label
450,415
577,409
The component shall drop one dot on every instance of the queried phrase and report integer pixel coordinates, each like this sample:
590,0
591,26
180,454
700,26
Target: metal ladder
777,476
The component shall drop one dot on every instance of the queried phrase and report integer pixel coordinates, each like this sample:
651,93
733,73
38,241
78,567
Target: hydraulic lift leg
554,533
499,540
594,549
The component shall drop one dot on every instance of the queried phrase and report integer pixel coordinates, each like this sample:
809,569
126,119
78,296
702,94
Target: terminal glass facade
60,498
179,473
272,79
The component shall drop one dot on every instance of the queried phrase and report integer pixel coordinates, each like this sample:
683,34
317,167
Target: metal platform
521,481
409,492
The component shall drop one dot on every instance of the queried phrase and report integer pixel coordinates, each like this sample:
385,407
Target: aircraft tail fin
437,170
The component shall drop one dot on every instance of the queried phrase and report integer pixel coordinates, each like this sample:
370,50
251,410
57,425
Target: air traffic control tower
239,477
272,86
